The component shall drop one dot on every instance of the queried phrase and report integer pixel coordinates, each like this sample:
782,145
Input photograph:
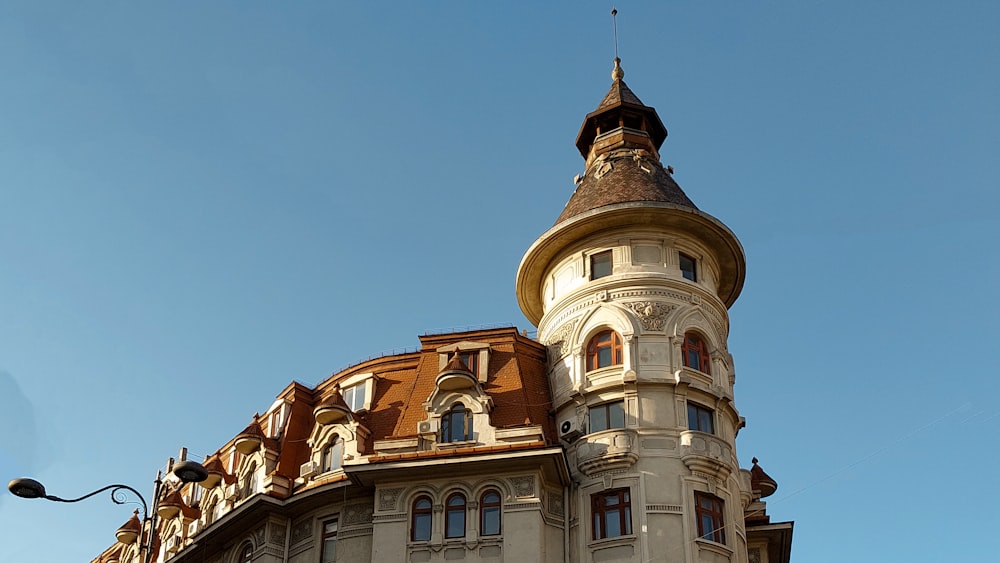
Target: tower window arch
246,553
603,350
695,352
333,454
490,516
420,519
454,516
456,424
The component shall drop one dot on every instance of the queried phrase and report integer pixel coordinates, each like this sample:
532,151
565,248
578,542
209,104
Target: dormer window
601,265
471,361
354,396
475,357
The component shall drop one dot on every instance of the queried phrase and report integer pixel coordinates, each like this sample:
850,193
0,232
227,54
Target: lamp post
185,471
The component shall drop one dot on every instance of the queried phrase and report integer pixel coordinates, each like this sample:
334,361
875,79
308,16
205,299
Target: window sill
714,547
626,539
454,445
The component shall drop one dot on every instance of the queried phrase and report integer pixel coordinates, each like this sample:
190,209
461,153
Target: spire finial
617,73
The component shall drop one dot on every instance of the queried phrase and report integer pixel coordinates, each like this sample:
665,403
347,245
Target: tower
630,291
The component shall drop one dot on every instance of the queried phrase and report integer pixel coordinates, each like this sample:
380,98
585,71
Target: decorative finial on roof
617,73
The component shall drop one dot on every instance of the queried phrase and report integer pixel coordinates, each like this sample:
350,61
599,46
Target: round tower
630,291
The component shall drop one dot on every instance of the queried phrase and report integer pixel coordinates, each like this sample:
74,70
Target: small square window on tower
601,264
688,267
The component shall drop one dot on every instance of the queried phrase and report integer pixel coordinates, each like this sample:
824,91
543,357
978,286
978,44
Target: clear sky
202,201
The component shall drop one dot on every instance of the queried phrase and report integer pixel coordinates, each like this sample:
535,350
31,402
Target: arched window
420,519
246,554
333,454
604,349
489,514
219,510
695,353
252,482
456,424
454,516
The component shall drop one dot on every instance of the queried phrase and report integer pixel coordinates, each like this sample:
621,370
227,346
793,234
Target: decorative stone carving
387,498
555,503
277,534
258,536
357,514
523,486
557,342
754,554
300,532
652,314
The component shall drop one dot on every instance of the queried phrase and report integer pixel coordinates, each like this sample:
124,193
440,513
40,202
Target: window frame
447,434
356,396
325,536
596,259
327,457
688,274
496,507
606,408
471,360
455,505
600,510
425,514
595,346
701,414
246,553
714,513
695,343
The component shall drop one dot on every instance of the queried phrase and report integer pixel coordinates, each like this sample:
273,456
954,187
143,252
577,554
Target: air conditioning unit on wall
308,469
173,543
569,430
427,427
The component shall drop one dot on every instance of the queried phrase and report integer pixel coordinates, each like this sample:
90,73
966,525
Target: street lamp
185,471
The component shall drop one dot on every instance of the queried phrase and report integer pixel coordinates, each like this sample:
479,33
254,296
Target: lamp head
26,488
189,472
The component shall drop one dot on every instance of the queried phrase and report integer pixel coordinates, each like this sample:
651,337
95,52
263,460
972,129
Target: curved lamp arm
117,496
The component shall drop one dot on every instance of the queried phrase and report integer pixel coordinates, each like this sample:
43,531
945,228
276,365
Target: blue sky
200,203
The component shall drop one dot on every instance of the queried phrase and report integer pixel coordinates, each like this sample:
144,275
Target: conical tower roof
621,141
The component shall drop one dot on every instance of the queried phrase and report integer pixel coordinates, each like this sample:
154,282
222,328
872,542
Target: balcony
609,449
706,453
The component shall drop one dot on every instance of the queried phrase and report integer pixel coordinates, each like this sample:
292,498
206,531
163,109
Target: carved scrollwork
557,342
387,498
652,314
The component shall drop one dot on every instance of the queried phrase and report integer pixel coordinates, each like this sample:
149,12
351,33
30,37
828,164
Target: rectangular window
196,492
701,419
688,267
471,361
711,525
355,395
601,265
329,548
606,416
612,514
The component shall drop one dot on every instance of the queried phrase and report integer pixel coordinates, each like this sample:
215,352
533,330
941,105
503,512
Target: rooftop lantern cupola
620,121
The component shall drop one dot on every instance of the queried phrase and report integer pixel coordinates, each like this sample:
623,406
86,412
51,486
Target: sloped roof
622,177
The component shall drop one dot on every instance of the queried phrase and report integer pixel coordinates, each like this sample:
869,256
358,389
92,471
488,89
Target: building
610,437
